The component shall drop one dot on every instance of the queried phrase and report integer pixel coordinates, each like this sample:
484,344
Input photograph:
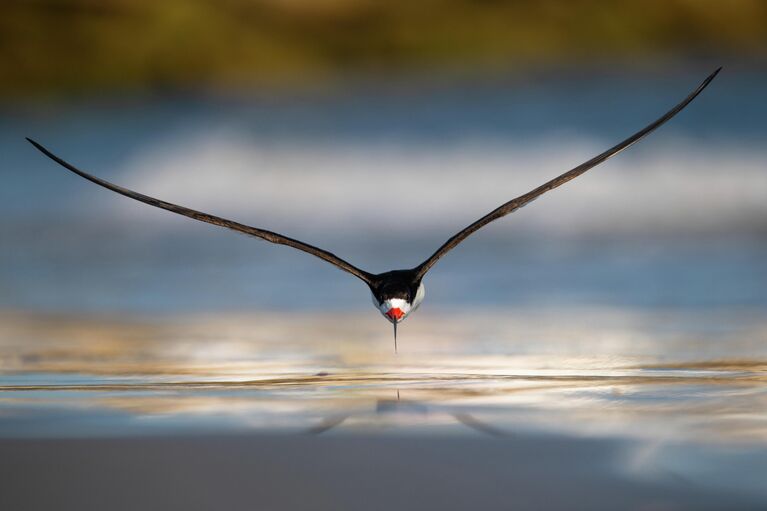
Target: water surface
606,345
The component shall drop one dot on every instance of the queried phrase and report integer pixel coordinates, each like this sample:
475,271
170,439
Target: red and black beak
395,314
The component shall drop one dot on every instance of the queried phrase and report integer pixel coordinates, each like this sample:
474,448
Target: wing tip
55,158
40,147
711,76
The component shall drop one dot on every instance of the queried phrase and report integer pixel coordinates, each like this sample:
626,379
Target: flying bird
397,293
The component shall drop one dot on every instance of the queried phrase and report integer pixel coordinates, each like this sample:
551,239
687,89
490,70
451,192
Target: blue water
64,246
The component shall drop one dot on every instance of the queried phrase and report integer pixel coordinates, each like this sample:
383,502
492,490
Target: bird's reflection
407,407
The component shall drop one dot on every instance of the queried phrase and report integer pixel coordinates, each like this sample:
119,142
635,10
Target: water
517,369
382,177
608,340
667,398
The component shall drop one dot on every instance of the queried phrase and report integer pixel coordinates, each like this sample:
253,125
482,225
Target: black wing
204,217
520,201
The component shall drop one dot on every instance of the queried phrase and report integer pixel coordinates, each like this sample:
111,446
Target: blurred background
623,314
376,130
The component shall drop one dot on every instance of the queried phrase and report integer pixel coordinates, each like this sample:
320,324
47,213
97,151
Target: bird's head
396,296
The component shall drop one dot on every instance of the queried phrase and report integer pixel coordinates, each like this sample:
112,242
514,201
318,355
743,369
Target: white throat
401,304
395,303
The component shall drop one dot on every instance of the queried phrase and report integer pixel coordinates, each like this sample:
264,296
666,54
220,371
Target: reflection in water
385,407
621,373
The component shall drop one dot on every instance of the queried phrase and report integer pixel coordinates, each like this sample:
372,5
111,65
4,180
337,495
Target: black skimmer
398,293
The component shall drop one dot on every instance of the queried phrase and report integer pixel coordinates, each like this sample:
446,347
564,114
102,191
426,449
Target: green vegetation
52,47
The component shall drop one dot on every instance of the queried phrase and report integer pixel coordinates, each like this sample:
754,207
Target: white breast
419,296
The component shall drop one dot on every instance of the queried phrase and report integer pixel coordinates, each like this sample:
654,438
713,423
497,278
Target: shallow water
641,375
653,402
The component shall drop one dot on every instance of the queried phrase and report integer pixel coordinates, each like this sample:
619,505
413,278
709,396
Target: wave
677,185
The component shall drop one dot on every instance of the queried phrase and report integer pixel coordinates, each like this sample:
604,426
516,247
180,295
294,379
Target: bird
396,293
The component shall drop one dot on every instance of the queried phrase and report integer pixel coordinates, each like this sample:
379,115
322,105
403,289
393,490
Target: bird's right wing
522,200
211,219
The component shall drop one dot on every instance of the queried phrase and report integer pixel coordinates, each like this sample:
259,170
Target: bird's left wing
211,219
